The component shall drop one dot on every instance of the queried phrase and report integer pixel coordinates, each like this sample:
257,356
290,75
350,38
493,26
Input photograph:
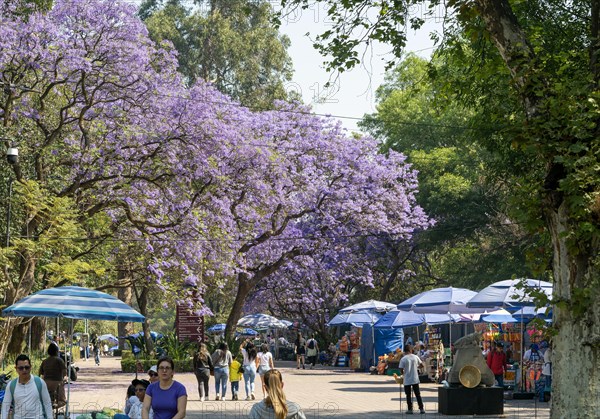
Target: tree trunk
124,329
18,339
244,288
143,304
576,347
38,334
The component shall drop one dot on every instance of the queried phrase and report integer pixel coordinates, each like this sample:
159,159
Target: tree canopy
229,43
546,57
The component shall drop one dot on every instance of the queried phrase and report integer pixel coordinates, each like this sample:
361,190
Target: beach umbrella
261,321
499,316
108,337
73,302
447,300
216,328
510,294
287,323
357,318
400,319
370,305
247,332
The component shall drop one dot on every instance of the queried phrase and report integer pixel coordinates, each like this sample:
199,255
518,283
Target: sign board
189,325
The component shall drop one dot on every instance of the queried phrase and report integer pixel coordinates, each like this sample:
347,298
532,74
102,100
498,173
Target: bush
125,354
181,365
117,352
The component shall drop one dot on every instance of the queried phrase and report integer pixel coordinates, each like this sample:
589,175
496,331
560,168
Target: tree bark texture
124,329
143,304
244,288
576,347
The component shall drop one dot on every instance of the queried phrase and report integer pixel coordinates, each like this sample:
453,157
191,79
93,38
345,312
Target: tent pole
69,366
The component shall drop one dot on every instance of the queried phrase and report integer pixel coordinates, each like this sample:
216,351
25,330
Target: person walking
547,372
27,393
497,362
312,350
300,350
203,365
265,363
409,366
235,374
54,371
221,360
167,397
249,366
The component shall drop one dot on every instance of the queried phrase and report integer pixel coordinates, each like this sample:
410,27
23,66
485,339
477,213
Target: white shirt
136,409
547,369
264,358
410,364
27,401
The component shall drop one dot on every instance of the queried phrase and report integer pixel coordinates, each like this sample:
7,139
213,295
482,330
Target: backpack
38,384
311,344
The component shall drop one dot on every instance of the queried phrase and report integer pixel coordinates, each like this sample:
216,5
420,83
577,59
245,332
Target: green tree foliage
476,240
546,54
229,43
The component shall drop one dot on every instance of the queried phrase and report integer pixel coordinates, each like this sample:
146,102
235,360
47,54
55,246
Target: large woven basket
469,376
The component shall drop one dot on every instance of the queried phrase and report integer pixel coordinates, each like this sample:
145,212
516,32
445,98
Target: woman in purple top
167,397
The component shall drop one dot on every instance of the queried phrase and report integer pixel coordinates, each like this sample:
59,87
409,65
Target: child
235,374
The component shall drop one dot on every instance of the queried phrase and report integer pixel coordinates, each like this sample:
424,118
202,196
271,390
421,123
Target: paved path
322,393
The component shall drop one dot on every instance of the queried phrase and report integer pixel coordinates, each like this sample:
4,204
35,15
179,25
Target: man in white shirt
30,394
409,365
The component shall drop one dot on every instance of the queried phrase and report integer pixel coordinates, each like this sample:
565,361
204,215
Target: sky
353,94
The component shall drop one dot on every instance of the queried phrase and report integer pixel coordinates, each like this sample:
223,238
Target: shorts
262,370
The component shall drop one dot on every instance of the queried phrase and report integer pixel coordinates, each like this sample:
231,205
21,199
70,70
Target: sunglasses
153,374
24,367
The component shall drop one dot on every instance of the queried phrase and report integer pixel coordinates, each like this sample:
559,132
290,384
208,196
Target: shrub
181,365
125,354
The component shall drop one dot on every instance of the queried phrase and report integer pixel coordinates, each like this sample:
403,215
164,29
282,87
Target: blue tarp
386,341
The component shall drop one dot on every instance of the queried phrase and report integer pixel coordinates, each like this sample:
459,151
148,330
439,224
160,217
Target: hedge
128,364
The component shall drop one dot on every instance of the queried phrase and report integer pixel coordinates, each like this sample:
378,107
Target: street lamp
12,156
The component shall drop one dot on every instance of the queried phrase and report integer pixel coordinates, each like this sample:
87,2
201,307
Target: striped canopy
73,303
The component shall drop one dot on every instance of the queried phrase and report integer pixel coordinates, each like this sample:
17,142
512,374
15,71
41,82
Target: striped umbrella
73,303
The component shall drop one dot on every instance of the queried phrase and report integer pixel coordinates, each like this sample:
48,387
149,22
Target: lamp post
12,156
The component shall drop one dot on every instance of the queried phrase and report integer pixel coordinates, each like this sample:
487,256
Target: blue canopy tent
73,302
385,340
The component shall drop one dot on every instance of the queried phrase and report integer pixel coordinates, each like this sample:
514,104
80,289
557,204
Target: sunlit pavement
322,393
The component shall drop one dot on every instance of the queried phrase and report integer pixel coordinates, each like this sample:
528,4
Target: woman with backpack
300,350
312,351
203,365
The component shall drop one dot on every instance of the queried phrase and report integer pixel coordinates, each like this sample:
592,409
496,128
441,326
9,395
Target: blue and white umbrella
399,319
261,321
509,294
370,305
357,318
447,300
247,332
216,328
73,303
499,316
108,337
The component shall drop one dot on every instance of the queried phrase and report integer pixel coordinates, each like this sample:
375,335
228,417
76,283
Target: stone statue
469,353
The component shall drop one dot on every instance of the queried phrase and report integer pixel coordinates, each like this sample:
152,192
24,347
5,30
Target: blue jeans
235,387
221,379
249,376
500,379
